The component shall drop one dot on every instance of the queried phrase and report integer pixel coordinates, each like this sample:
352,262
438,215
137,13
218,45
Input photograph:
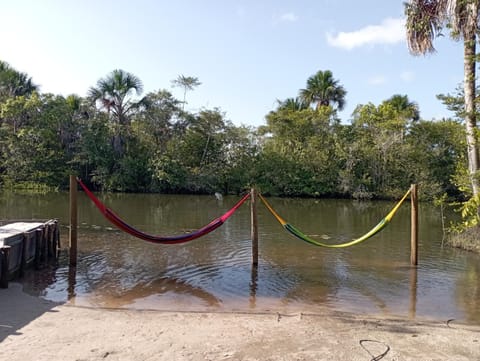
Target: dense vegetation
118,140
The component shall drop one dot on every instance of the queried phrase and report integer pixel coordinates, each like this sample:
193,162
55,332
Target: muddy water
215,273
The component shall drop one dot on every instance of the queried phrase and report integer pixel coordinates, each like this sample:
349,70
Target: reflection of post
413,292
414,227
253,209
254,234
253,286
73,221
72,280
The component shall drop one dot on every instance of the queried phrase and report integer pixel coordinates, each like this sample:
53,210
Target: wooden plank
38,248
15,230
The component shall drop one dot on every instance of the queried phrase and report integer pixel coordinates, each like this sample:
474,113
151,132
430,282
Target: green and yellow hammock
299,234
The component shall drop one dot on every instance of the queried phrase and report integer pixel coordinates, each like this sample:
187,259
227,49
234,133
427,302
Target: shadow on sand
20,306
18,309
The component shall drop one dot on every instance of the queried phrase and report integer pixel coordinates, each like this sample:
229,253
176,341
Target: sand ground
35,329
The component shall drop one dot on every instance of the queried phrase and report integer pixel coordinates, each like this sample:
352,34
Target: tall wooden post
73,221
254,229
414,226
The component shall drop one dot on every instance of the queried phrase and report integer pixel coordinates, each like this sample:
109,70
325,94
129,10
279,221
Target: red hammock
119,223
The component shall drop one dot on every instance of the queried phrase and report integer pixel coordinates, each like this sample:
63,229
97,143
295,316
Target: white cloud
377,80
290,17
390,31
407,76
285,18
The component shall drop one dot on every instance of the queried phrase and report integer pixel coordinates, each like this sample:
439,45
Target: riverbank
468,240
35,329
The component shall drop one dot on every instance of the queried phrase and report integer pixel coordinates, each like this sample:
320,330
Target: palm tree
405,107
187,83
293,104
323,90
114,94
14,83
425,20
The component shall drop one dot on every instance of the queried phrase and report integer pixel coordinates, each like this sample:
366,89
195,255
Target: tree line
117,139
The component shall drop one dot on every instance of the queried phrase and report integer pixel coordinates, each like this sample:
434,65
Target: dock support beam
254,229
414,226
73,221
5,254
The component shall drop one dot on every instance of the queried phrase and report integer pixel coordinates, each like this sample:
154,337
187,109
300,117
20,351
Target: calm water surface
215,273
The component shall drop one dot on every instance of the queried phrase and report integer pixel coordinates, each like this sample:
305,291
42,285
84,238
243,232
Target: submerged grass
468,239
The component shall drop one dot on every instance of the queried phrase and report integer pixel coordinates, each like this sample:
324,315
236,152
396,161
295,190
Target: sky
247,54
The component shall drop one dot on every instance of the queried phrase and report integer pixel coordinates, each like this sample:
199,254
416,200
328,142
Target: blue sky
247,54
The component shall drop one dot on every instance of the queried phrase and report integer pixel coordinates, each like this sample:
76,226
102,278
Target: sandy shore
35,329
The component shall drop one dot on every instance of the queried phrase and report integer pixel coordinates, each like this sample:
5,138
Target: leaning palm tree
323,90
425,20
114,94
187,83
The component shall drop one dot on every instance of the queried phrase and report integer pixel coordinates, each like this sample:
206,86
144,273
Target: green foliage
323,90
31,149
301,151
14,83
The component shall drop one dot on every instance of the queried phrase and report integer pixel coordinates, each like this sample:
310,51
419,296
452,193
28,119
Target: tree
425,20
33,155
299,157
14,83
291,104
159,121
114,94
376,153
323,90
404,107
187,83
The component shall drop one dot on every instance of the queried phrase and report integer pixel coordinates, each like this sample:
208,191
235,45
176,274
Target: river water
214,273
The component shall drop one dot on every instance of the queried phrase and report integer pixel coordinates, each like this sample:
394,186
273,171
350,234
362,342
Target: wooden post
4,253
414,226
23,261
48,229
38,248
73,221
254,229
56,240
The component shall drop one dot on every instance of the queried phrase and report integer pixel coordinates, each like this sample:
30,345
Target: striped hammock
122,225
299,234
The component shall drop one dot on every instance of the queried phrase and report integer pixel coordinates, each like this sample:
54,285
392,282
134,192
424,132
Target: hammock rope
299,234
122,225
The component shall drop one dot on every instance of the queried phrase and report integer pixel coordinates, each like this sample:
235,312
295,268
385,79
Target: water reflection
72,281
145,294
253,286
412,312
116,270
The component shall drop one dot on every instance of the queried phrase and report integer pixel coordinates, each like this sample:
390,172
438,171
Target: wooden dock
26,244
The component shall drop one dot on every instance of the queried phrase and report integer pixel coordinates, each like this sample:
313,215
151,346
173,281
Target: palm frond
425,20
